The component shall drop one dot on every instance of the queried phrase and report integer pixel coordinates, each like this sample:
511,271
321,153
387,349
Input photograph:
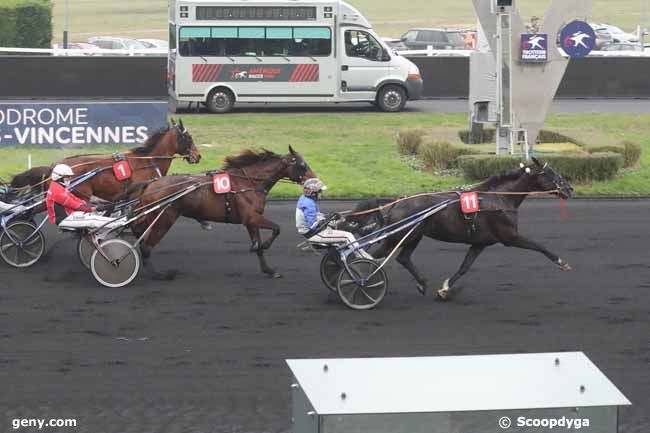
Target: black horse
500,197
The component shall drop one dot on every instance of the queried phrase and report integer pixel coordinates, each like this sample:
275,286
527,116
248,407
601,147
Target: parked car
116,43
79,46
395,44
603,37
617,35
623,47
439,39
154,43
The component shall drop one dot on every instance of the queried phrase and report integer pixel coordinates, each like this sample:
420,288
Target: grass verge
356,154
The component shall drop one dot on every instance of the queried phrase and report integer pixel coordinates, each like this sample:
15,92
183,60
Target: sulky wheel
115,263
22,244
363,287
330,270
85,250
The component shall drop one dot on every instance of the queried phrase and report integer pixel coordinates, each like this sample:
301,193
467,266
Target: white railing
163,52
86,52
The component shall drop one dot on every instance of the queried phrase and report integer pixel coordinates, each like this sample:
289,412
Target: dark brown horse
497,221
150,161
252,176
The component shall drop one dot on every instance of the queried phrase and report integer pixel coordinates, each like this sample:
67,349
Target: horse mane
498,179
151,142
249,157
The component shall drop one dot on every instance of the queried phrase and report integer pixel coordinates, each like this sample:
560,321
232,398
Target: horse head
185,143
547,179
297,168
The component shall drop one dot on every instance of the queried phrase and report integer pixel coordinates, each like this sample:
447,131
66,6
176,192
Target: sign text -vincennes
84,124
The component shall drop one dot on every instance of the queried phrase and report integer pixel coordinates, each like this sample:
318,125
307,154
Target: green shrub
487,136
26,23
632,153
554,137
409,140
479,167
576,168
7,26
442,155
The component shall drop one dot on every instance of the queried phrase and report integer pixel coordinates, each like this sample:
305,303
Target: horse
500,197
252,175
149,161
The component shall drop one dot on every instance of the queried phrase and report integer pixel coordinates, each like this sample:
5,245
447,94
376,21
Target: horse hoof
443,294
422,289
207,226
564,266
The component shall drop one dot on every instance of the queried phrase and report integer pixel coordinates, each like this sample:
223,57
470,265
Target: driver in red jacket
69,211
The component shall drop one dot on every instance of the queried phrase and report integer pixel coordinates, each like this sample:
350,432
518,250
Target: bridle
186,142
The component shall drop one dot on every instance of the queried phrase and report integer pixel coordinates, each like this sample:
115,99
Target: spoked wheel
115,263
363,287
330,270
85,250
22,244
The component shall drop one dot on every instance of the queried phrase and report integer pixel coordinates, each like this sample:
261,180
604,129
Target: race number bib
469,202
221,183
122,170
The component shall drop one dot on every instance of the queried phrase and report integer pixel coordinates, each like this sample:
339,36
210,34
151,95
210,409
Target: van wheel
220,100
391,98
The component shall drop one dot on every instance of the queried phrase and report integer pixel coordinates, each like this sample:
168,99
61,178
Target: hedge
409,140
576,168
630,151
441,155
26,23
488,135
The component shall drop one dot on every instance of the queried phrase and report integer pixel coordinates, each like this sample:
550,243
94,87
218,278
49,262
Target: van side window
255,41
361,44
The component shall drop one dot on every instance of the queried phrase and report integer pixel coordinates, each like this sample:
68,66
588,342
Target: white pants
14,209
339,237
83,220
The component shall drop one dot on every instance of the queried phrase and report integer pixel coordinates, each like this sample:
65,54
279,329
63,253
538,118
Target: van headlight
414,73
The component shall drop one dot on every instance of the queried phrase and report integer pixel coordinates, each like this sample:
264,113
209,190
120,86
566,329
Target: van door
364,63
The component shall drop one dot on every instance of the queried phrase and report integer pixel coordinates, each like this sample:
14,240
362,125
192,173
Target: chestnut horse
252,175
151,160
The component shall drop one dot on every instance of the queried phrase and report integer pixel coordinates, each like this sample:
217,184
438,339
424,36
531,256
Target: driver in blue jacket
309,219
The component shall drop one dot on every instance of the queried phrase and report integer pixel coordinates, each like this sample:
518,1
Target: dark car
439,39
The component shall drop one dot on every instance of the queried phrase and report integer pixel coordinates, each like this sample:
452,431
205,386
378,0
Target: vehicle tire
22,244
220,100
391,98
365,288
116,265
85,250
330,270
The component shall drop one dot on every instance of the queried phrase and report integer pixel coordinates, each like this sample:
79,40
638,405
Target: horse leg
254,233
404,259
155,235
526,244
470,257
261,222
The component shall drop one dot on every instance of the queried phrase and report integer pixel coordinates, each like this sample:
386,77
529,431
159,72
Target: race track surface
205,352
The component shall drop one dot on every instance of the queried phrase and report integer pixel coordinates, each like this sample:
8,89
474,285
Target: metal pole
65,25
643,18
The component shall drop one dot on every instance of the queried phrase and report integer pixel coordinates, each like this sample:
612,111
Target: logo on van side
276,73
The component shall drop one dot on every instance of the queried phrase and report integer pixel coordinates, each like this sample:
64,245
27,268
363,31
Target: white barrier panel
530,393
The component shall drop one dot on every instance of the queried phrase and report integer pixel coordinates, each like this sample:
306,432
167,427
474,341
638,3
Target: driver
310,222
67,210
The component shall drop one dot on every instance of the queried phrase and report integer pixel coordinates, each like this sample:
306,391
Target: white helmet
313,185
61,170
